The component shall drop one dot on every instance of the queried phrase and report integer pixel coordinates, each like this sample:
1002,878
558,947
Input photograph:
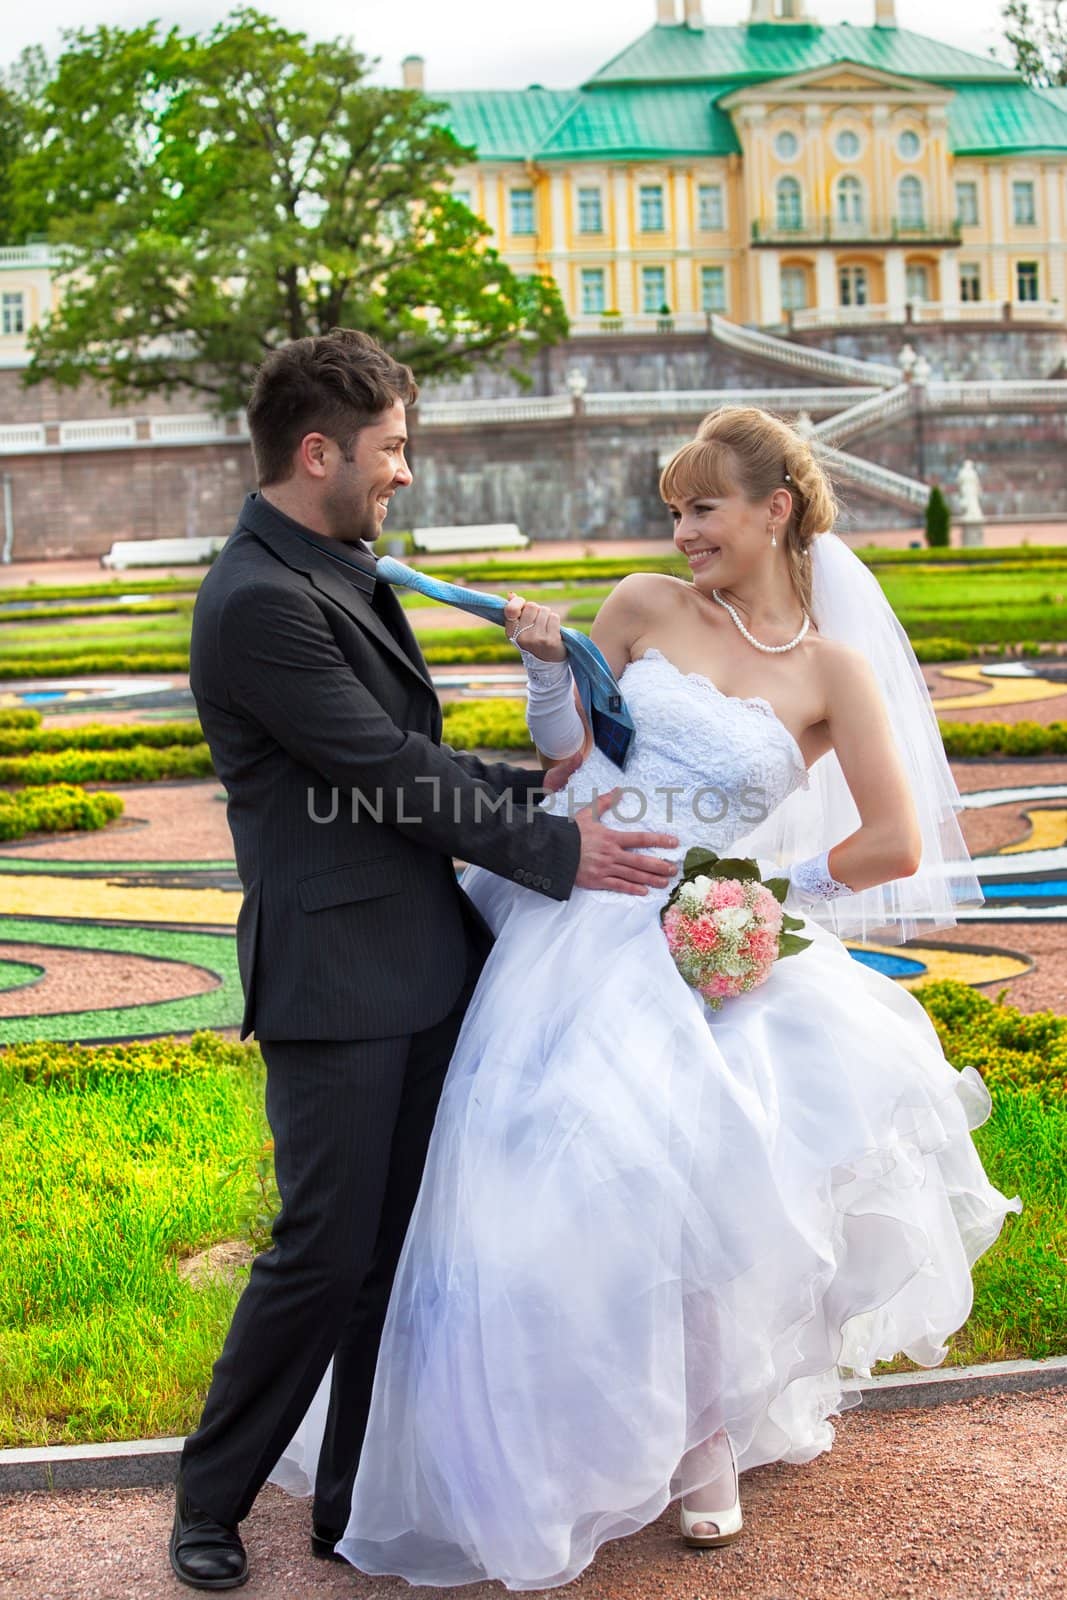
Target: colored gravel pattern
63,978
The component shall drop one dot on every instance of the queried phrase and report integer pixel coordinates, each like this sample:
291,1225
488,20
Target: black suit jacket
346,810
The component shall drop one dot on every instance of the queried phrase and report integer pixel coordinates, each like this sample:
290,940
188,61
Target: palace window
14,313
1026,280
852,285
651,208
967,204
794,288
1023,208
713,288
970,281
463,196
909,144
910,196
593,300
711,216
590,211
850,201
523,220
653,290
788,210
786,145
847,144
917,282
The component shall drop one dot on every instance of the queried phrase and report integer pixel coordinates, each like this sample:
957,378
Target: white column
624,295
896,282
816,201
491,204
770,289
682,294
557,213
882,206
825,281
1001,274
949,291
1057,277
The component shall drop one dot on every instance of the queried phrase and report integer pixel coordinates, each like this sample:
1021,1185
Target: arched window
911,202
788,209
849,200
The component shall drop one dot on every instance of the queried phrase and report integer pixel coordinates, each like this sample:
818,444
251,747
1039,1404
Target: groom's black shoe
324,1540
203,1553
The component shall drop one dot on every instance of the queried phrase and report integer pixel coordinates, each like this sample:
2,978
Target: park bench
480,536
161,553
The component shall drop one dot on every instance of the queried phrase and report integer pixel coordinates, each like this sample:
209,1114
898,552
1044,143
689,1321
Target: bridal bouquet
725,925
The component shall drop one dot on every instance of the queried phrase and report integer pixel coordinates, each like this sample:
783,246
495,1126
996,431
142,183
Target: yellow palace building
776,171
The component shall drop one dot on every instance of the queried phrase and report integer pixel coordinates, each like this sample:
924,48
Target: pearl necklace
769,649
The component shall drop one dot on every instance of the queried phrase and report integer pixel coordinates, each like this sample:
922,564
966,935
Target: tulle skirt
642,1221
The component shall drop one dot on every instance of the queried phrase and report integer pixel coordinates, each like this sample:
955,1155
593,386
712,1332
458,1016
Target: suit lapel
353,593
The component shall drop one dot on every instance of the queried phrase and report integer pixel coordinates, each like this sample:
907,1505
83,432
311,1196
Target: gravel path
181,821
77,980
951,1503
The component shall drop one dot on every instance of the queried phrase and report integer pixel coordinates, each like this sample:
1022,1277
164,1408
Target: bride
656,1244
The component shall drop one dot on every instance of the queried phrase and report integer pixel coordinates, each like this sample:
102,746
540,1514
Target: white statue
577,382
970,505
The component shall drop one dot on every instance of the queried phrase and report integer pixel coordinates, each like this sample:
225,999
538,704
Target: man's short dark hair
335,383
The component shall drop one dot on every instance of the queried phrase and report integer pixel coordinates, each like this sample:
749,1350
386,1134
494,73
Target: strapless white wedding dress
642,1220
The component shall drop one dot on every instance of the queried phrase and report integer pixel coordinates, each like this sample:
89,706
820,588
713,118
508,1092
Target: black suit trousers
351,1125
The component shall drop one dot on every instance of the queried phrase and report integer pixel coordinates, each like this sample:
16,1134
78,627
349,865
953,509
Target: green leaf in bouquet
747,871
789,922
698,860
790,945
779,887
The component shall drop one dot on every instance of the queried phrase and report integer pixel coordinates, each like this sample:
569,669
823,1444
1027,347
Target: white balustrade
99,434
885,405
768,347
475,413
192,428
17,438
882,482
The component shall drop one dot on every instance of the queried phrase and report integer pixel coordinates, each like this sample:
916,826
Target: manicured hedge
486,725
983,739
46,614
59,808
105,590
82,664
99,736
1012,1049
139,764
20,719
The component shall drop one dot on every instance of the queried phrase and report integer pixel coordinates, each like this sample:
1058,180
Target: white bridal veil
848,604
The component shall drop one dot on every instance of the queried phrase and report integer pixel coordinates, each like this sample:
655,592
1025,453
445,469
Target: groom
358,950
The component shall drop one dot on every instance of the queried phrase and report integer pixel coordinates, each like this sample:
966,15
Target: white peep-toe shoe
728,1520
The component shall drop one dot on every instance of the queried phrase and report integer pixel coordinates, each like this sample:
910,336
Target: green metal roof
987,119
635,123
677,53
659,97
505,124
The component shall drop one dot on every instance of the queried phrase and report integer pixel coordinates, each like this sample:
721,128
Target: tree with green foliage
1036,35
214,197
938,519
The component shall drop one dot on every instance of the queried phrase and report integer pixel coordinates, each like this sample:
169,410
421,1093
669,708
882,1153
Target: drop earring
774,536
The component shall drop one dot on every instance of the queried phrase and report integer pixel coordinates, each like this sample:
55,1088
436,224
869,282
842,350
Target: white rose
689,895
733,919
701,884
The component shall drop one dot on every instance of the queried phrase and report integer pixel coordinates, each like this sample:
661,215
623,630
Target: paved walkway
86,570
954,1502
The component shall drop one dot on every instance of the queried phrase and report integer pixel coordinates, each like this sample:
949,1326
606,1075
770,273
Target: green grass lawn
992,603
116,1163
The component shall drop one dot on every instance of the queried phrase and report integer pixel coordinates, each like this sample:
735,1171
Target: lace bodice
704,765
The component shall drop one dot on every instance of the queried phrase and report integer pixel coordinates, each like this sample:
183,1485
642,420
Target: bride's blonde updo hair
742,449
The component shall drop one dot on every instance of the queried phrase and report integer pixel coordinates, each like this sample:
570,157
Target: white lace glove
811,882
552,717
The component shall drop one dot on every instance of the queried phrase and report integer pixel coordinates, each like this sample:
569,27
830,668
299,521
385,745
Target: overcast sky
480,43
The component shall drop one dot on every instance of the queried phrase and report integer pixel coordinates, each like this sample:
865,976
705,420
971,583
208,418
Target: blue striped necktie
601,697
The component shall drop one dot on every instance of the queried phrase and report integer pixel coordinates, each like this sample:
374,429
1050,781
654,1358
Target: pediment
837,80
